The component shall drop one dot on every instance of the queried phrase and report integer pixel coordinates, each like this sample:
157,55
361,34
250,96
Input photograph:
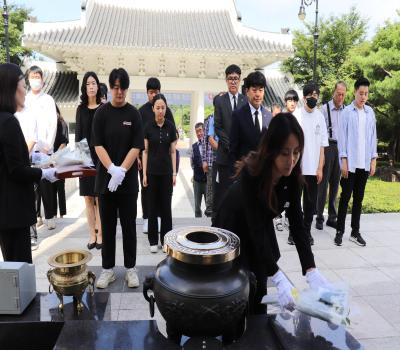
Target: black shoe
99,246
332,223
311,239
357,239
90,246
319,225
338,238
208,214
290,240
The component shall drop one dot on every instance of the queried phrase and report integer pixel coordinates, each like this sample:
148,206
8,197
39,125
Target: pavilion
186,44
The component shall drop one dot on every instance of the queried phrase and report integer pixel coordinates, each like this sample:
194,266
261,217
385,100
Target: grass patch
380,197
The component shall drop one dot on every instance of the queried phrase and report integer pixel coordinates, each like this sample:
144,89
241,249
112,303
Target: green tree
337,35
379,61
17,16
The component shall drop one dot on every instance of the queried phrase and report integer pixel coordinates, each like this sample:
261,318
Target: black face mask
311,102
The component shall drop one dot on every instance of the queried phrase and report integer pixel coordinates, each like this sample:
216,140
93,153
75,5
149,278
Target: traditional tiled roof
276,89
62,86
120,27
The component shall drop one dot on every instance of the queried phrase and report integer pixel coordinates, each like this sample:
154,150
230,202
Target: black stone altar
41,326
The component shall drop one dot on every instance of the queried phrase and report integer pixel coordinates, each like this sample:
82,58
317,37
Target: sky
266,15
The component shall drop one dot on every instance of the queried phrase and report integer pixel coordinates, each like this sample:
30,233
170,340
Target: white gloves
315,280
117,176
49,174
284,287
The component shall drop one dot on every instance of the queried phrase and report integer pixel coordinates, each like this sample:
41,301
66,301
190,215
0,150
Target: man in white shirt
28,124
42,106
357,145
313,124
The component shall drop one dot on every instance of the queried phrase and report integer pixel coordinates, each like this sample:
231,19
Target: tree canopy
17,16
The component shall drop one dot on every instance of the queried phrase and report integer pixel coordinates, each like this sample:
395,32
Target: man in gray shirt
331,173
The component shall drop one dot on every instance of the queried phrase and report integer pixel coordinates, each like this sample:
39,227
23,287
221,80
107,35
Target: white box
17,287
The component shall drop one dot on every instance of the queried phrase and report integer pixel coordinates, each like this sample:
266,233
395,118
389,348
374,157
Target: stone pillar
196,112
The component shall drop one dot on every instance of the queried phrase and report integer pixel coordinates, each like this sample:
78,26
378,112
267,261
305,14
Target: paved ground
371,272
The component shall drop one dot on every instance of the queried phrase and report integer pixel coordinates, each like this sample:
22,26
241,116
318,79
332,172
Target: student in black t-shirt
159,170
118,138
153,87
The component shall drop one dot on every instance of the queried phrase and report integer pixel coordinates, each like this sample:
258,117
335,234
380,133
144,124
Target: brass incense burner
69,276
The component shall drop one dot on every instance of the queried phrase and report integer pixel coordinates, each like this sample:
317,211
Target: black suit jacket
245,212
17,199
222,124
244,137
197,164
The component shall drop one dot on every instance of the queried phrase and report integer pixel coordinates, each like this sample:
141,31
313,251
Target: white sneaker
132,278
51,224
39,222
145,225
153,249
106,277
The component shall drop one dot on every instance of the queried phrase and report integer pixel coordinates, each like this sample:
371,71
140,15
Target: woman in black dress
159,170
90,102
17,198
269,180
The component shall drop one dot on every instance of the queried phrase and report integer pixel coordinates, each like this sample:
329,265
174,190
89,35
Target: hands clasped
117,176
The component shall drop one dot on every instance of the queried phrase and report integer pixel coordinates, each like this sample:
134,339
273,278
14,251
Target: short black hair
158,97
309,88
233,68
84,96
119,74
361,82
10,75
34,69
153,84
103,90
255,79
199,125
291,95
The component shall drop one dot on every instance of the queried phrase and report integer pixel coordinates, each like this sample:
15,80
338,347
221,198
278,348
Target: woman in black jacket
17,199
269,180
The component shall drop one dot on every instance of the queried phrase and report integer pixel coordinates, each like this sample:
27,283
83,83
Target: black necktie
256,122
234,102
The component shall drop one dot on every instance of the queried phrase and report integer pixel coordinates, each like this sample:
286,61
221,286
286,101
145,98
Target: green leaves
17,16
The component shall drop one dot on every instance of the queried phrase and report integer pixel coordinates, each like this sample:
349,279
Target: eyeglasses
234,79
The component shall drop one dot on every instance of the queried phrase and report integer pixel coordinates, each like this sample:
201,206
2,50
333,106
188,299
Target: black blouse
245,212
159,144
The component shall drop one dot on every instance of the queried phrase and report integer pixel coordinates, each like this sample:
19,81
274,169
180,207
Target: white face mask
35,84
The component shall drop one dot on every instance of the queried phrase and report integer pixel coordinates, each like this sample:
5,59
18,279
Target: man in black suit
224,106
199,176
251,120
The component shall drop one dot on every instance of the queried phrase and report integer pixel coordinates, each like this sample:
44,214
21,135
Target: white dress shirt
259,116
43,107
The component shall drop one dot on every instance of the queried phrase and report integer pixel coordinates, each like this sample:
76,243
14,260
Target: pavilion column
196,112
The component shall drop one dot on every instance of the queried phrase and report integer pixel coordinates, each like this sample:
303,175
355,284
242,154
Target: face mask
35,84
311,102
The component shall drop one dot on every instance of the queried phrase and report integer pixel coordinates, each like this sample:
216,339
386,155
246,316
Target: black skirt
86,186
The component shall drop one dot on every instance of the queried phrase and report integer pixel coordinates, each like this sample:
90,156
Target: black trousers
222,185
310,194
354,184
199,190
59,200
110,205
331,177
45,193
143,196
160,197
16,244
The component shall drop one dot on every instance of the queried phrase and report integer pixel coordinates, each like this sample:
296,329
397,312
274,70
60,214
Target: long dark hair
10,75
84,96
158,97
260,163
